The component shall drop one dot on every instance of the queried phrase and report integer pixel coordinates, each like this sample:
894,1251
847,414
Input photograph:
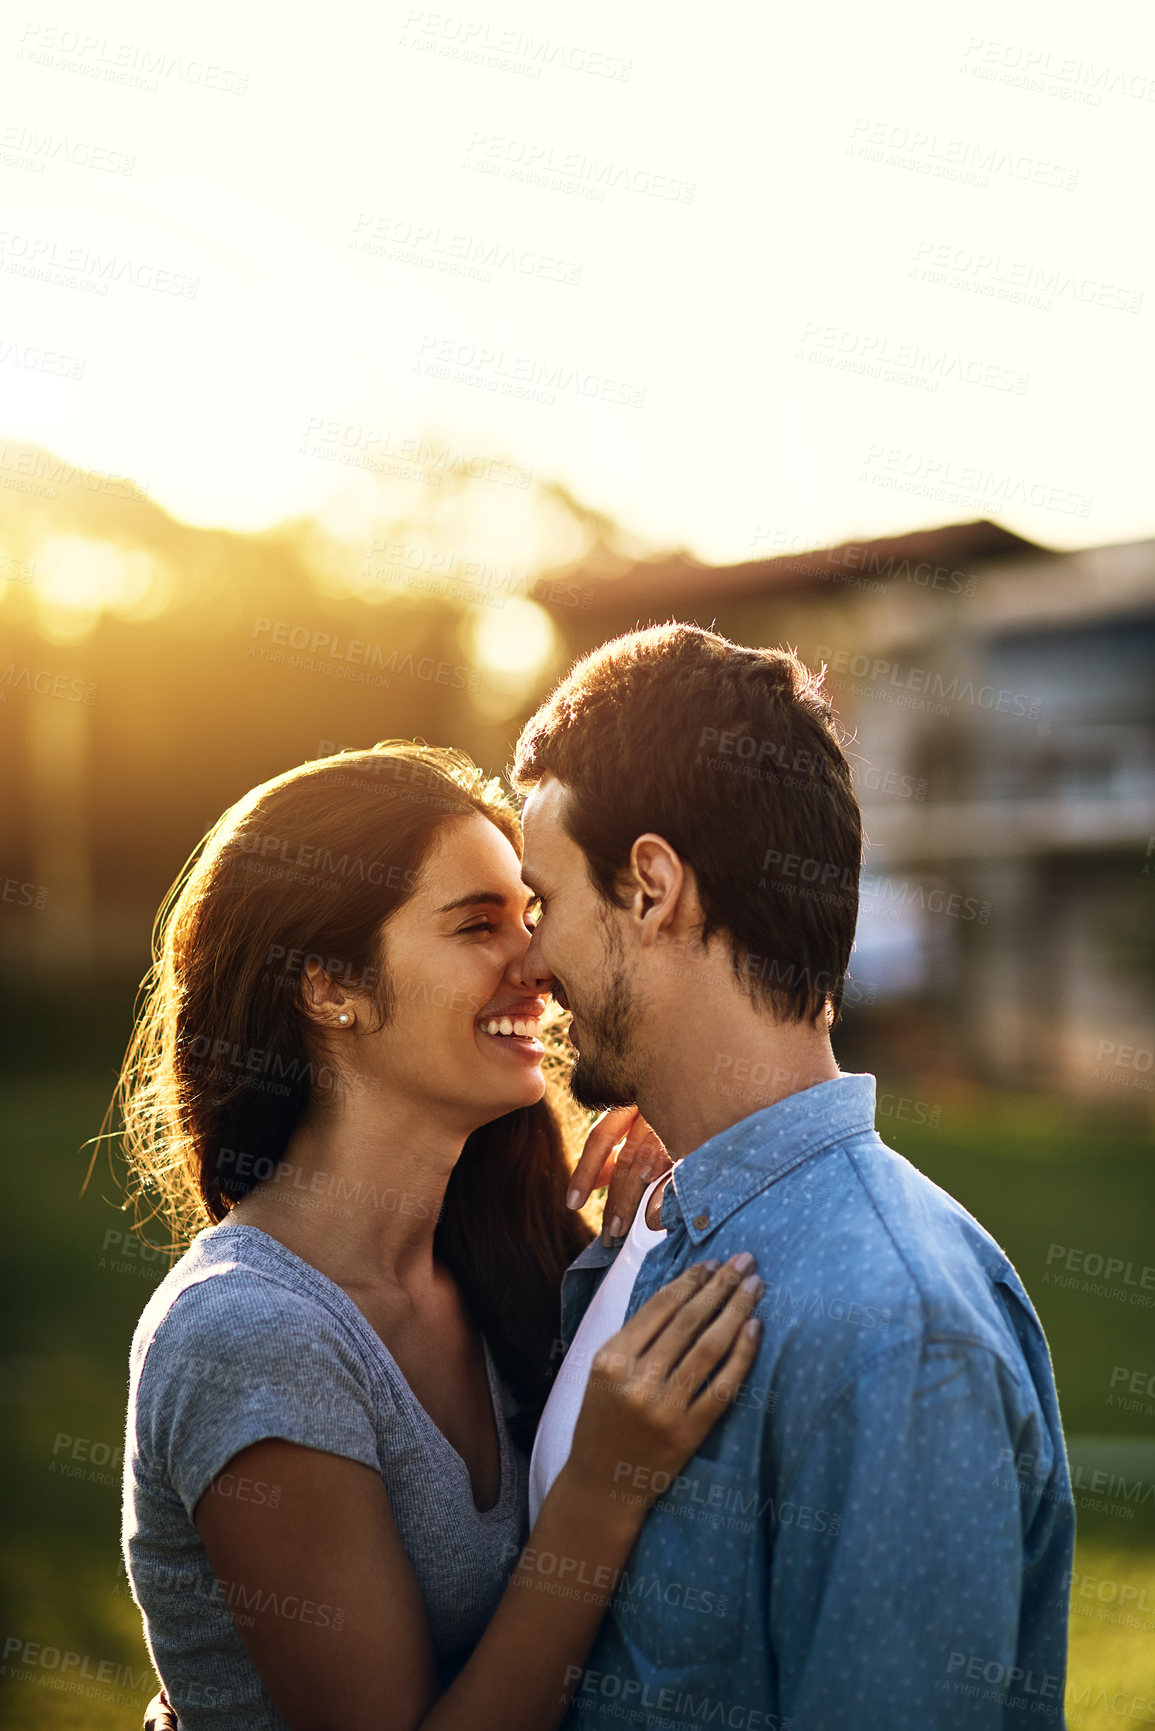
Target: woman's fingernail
573,1198
712,1264
616,1226
742,1261
752,1283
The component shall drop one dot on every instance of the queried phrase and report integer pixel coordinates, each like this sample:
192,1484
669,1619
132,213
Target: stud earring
342,1018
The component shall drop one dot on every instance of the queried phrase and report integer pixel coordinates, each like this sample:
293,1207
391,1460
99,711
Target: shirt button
701,1221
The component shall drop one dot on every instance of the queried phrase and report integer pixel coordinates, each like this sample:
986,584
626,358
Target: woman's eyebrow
475,898
481,898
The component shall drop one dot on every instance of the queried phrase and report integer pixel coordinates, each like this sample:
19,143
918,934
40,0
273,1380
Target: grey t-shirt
244,1340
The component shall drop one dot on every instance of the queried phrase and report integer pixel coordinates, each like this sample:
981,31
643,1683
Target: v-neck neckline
364,1327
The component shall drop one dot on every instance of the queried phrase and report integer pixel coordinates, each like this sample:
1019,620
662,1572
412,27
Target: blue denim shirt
878,1535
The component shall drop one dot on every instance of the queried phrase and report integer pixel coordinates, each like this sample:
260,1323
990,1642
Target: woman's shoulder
237,1291
243,1341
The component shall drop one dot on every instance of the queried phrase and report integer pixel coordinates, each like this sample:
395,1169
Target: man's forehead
542,825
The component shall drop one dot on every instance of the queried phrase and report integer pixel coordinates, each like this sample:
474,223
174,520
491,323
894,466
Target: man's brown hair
732,755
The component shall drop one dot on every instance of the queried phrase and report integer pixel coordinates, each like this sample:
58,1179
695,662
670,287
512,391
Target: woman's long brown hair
220,1068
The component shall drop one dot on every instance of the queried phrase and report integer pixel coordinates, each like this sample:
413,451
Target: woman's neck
358,1194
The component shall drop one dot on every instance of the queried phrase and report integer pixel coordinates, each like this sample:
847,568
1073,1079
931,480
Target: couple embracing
408,1445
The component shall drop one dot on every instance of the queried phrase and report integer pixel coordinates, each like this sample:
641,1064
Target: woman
338,1068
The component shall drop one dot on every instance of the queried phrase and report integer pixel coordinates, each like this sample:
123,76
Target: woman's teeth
526,1028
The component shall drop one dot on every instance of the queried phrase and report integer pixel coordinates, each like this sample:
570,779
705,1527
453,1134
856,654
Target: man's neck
700,1078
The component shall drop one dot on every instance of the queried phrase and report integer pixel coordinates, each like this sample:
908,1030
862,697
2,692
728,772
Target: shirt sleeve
898,1553
236,1360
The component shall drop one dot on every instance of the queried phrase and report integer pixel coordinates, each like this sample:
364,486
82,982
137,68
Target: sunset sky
748,279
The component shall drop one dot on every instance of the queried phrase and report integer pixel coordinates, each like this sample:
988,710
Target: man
879,1535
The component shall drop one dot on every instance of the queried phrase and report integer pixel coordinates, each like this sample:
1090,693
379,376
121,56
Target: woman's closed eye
532,915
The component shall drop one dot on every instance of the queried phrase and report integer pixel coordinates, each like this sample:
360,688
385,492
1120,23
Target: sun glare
78,579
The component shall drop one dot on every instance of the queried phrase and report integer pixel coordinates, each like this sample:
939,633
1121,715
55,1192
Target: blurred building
1001,703
999,698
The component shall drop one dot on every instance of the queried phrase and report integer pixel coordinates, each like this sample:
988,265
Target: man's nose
530,971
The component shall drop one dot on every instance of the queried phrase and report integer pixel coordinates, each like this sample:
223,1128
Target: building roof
676,581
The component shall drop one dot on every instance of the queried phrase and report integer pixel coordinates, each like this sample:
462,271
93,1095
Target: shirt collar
722,1174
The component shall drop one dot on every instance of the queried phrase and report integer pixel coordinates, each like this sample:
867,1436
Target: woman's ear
322,999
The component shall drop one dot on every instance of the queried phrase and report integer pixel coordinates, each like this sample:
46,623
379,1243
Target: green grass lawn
74,1291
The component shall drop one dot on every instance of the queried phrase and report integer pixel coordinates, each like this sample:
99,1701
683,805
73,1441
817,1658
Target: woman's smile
516,1027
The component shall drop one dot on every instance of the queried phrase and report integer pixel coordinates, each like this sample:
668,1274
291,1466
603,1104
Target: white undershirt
604,1316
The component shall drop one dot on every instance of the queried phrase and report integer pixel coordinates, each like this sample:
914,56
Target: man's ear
657,878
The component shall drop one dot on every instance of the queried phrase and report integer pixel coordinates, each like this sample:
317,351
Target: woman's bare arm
326,1601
